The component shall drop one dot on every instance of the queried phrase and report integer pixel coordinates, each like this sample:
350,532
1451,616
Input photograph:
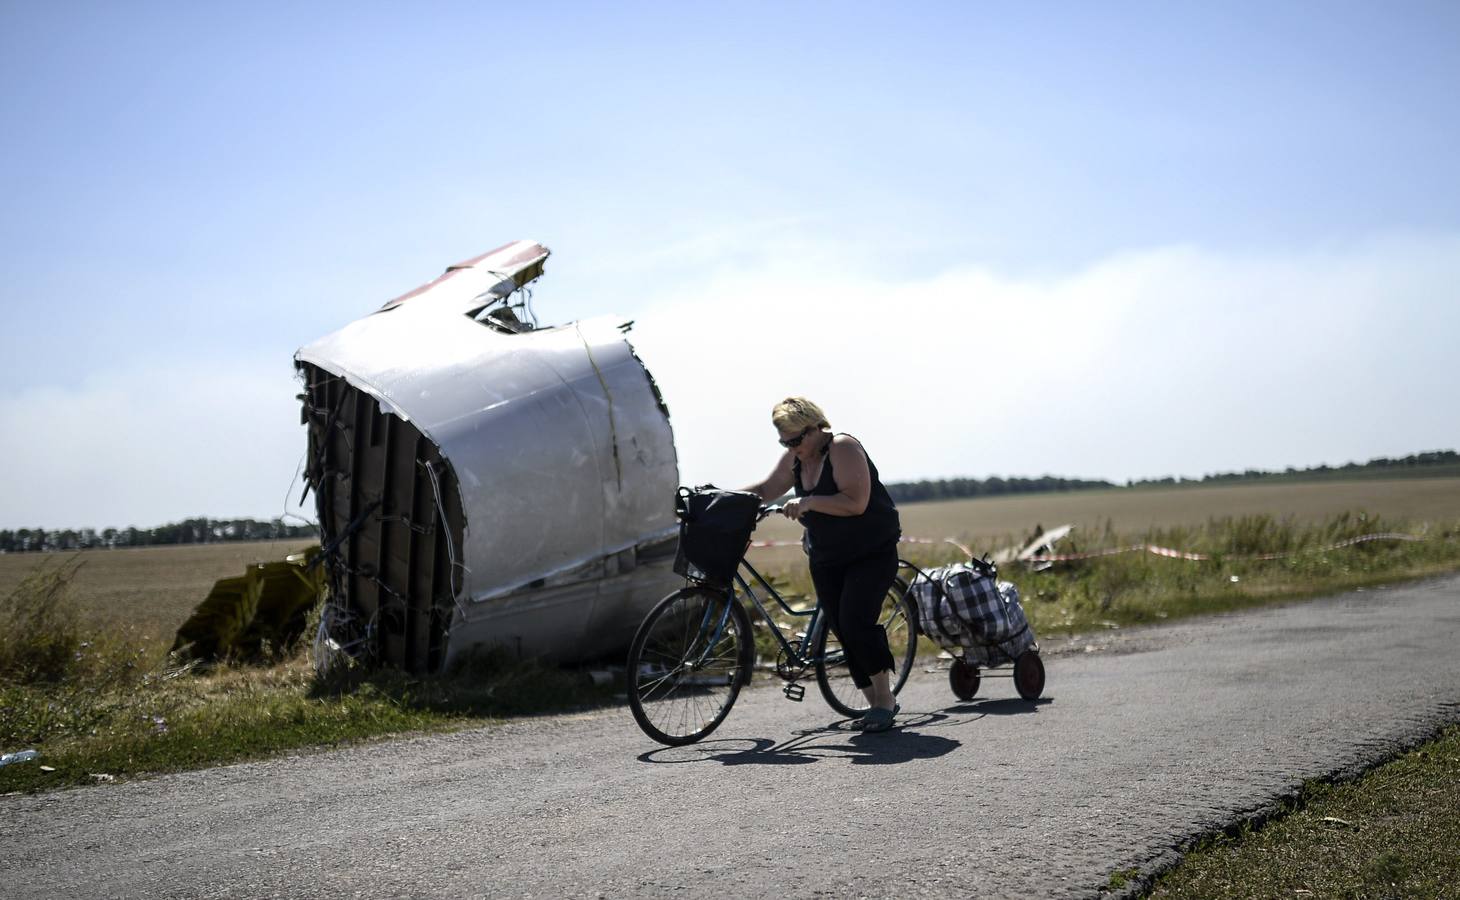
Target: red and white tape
1203,557
1134,548
904,539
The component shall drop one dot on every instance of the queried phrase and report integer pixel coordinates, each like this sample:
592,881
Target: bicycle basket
714,527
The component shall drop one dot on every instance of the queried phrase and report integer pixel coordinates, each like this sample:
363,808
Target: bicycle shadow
835,741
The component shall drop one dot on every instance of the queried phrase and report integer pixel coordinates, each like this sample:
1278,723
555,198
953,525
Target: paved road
1139,747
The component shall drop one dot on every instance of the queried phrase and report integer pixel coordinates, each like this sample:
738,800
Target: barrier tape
1203,557
904,540
1134,548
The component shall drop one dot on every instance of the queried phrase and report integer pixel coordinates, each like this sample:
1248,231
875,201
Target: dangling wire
521,310
526,304
450,544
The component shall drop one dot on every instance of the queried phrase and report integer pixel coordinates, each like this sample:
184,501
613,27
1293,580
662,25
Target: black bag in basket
714,527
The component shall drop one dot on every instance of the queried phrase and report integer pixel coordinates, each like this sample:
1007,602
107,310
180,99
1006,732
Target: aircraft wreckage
482,481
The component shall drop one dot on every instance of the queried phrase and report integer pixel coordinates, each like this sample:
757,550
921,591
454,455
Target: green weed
1120,878
40,631
164,719
1139,588
1390,833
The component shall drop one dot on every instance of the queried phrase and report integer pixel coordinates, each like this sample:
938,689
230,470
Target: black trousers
852,595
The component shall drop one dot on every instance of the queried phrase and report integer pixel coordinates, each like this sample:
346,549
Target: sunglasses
793,443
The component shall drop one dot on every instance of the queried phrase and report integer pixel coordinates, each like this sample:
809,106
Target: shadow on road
1009,706
837,741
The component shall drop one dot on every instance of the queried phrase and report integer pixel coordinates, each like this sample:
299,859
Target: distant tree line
188,531
952,488
1381,465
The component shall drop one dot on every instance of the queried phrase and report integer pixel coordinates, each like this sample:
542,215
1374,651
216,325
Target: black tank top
833,540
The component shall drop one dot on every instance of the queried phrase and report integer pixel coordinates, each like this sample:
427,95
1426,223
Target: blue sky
1204,237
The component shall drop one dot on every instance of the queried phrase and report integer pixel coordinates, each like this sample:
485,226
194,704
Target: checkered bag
964,605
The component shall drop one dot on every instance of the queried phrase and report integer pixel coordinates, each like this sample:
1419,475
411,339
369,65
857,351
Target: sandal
861,722
878,720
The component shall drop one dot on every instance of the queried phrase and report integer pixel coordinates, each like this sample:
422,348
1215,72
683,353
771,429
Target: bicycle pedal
794,691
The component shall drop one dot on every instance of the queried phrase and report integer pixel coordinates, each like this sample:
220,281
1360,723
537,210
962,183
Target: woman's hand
795,508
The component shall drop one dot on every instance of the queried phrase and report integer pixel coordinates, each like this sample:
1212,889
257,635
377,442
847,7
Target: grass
169,720
1140,588
1392,833
102,705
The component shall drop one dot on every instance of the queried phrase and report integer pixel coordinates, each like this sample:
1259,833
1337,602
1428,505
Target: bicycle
694,652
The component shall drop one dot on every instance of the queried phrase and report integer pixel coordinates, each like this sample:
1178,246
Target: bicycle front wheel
687,663
899,619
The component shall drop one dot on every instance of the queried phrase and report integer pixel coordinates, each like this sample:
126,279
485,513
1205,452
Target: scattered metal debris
1033,553
267,608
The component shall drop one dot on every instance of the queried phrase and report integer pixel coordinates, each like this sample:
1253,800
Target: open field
147,590
985,524
154,589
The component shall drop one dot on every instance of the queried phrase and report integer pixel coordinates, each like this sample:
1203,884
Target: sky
1116,240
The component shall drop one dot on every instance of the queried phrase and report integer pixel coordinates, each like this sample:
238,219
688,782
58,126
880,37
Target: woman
852,531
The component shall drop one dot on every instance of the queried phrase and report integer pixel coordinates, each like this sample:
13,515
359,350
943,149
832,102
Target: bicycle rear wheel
687,663
899,619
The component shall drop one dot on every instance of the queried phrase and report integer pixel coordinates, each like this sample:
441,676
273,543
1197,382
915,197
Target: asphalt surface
1141,744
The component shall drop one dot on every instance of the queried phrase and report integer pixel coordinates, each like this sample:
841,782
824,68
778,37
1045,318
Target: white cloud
144,447
1168,361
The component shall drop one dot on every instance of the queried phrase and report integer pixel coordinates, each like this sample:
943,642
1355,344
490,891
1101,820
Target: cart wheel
964,679
1029,675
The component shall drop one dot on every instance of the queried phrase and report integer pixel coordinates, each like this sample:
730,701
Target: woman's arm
781,480
853,483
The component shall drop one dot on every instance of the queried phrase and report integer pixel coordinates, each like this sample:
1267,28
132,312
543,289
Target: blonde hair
798,414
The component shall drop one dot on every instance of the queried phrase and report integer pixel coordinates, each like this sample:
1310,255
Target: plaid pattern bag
965,606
